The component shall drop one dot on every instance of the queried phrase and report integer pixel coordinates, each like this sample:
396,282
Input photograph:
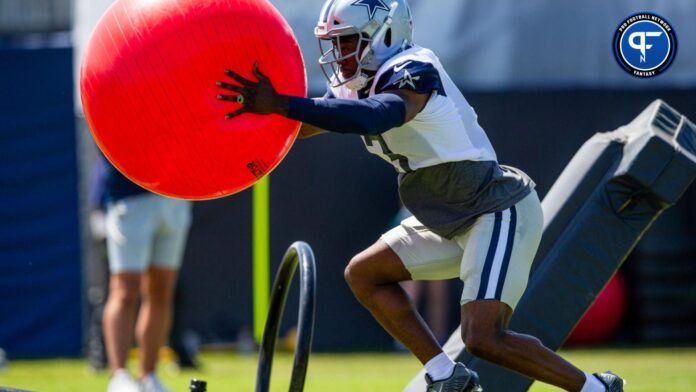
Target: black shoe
461,380
611,381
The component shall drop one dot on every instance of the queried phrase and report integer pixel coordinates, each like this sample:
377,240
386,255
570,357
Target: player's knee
482,343
125,290
126,295
535,340
361,281
353,273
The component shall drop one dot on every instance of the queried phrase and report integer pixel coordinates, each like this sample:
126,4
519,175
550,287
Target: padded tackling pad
607,197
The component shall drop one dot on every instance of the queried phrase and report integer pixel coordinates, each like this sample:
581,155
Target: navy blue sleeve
412,75
370,116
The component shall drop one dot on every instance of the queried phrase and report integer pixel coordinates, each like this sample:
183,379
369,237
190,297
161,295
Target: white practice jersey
446,130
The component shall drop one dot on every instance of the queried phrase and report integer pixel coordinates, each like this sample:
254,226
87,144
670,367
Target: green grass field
672,370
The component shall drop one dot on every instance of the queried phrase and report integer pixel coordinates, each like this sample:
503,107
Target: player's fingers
231,98
239,78
236,113
260,75
232,87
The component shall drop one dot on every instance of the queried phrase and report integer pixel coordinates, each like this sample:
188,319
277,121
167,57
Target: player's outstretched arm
266,96
370,116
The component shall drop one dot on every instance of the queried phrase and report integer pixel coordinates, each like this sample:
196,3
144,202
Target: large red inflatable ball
604,317
149,94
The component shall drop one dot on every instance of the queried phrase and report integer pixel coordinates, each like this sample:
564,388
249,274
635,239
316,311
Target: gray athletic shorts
146,230
493,257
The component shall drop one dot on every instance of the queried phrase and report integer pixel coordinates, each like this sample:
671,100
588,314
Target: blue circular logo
645,45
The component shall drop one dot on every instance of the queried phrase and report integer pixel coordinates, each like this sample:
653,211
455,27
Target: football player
473,218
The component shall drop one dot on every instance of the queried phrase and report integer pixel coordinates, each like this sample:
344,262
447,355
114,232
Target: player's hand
255,97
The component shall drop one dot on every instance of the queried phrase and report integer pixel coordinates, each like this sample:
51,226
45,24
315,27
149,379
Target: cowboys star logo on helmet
372,6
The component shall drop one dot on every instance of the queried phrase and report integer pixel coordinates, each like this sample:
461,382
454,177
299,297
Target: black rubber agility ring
298,253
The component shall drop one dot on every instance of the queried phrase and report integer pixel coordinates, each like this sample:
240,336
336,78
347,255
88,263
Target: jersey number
401,160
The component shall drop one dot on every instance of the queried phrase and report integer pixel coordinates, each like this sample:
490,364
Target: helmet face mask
380,33
333,59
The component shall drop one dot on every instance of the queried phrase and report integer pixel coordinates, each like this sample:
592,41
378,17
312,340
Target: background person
146,237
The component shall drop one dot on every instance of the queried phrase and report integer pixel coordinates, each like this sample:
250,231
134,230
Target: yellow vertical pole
261,254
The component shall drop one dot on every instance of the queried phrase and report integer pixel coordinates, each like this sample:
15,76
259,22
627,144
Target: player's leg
128,247
498,254
414,290
409,251
374,276
119,317
155,317
484,332
437,306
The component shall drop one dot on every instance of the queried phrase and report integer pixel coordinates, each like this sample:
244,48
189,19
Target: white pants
146,230
493,257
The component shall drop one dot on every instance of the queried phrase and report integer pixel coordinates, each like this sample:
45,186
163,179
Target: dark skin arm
261,97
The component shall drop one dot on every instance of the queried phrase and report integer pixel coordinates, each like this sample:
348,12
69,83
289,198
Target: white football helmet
385,28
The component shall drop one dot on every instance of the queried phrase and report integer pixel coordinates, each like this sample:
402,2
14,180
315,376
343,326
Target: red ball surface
149,94
605,315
